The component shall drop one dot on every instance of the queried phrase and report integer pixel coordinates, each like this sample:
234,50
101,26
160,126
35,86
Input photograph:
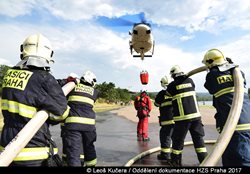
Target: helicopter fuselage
142,39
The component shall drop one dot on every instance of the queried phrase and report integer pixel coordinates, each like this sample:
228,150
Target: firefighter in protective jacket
164,102
79,128
71,78
143,106
219,83
186,116
27,88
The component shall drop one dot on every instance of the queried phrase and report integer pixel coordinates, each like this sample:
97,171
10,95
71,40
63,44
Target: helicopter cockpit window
135,32
148,31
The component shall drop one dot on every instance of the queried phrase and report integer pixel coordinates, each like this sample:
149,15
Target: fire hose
157,149
28,131
197,70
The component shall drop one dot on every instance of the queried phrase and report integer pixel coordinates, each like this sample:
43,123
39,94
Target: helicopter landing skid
144,56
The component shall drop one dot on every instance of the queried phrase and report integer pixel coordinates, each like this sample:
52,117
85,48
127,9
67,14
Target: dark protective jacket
25,92
81,101
184,102
221,86
164,102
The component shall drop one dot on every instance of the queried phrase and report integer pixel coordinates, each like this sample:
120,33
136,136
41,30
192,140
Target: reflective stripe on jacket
164,102
35,153
184,102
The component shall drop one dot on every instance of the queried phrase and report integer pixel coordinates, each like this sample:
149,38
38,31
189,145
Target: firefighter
71,78
219,82
164,102
79,127
143,106
27,88
186,116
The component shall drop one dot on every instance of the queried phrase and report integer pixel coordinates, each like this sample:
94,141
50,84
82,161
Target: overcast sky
183,31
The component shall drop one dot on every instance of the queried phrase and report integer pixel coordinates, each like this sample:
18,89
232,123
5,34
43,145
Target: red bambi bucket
144,77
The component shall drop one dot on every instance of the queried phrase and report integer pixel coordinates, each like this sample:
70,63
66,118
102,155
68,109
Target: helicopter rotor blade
114,21
127,20
142,17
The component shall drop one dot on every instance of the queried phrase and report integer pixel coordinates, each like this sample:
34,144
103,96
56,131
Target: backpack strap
142,101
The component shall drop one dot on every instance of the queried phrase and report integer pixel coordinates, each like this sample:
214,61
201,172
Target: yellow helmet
164,81
214,57
175,70
37,50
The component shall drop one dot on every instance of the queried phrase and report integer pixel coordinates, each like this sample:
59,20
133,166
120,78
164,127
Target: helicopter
141,41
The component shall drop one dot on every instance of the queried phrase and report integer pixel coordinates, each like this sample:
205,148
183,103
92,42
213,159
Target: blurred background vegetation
110,96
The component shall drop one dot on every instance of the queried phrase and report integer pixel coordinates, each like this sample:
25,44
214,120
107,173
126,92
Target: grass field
102,107
99,107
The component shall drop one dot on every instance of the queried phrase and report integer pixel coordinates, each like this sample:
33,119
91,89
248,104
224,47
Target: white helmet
37,51
89,77
214,57
164,81
175,71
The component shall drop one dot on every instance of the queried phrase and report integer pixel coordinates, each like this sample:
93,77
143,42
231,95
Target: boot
176,160
176,163
201,156
146,139
139,138
163,156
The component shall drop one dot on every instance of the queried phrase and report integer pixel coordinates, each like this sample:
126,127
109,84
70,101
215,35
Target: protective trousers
197,133
72,140
64,156
165,140
237,152
142,128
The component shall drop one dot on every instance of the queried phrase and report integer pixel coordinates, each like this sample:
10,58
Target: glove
73,78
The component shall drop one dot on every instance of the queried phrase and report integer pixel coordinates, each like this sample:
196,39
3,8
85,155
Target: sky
92,35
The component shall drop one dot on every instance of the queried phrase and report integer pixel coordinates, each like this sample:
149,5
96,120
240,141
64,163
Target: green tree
152,95
106,90
3,70
110,93
124,95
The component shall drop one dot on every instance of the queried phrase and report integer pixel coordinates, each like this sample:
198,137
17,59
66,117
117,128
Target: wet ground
117,143
189,158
